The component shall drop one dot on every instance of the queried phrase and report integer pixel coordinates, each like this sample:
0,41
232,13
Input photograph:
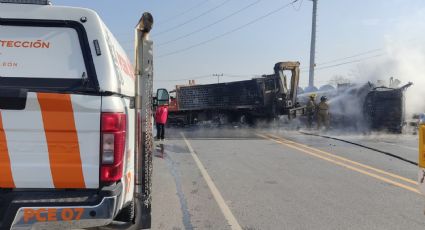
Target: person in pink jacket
161,117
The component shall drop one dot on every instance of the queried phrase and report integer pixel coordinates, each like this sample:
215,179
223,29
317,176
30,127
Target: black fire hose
363,146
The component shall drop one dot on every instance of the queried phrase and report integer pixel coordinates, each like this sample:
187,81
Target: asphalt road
268,179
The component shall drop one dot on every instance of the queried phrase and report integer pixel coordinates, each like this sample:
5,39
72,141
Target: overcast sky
195,39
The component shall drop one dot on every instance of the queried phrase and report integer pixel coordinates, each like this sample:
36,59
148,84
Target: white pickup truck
75,120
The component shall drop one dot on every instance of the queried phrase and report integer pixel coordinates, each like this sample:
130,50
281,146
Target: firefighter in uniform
311,110
323,113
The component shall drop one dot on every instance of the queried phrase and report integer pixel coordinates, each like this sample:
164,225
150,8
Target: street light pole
218,77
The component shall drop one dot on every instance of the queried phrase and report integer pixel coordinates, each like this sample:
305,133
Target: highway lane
270,179
363,155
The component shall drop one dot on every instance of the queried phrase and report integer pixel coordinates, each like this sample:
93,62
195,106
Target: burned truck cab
281,99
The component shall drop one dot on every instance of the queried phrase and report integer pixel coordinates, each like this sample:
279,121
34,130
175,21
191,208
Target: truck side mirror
154,102
162,97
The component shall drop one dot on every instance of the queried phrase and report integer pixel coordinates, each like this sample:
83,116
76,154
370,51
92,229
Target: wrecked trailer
364,108
384,108
223,101
245,102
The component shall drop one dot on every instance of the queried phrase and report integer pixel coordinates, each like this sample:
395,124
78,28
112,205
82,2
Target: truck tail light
113,134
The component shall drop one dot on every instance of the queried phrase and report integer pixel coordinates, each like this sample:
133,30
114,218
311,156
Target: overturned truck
367,107
384,108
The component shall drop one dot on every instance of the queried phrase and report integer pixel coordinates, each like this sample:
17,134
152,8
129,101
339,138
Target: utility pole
218,77
312,47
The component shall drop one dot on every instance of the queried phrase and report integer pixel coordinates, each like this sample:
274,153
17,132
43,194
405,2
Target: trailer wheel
274,110
243,120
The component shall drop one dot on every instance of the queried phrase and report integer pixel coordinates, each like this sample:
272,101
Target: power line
209,25
345,58
345,63
243,75
186,79
259,75
165,21
211,76
183,13
229,32
349,57
350,62
299,7
192,19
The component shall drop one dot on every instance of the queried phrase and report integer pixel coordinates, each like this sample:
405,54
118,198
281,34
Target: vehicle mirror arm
84,79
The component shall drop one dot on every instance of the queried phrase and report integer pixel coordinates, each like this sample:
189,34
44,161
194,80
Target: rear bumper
58,209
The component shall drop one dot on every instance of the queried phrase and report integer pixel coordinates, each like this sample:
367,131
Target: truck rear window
40,52
45,54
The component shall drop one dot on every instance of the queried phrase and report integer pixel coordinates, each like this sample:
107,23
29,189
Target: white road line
217,195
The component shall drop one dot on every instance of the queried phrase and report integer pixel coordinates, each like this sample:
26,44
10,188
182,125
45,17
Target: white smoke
410,64
404,60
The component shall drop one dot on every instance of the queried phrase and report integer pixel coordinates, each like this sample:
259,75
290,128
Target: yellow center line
347,160
389,181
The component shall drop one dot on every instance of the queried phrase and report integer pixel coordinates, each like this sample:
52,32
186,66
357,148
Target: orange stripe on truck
6,178
62,140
